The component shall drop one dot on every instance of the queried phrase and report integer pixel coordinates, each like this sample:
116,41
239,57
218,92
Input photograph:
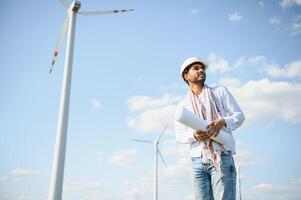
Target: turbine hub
75,6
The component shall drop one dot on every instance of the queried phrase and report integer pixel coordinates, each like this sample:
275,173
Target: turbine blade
64,2
162,157
165,127
144,141
59,42
100,12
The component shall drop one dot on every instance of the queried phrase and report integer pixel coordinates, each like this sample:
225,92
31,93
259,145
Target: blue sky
126,84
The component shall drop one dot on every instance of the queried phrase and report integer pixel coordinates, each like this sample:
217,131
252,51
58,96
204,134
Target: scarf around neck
209,111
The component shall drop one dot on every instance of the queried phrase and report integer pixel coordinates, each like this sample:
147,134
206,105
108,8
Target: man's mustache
201,74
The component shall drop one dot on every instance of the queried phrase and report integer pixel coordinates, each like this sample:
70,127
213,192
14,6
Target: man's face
196,74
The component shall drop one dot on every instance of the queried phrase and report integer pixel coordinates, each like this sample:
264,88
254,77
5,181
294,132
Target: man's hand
215,126
201,135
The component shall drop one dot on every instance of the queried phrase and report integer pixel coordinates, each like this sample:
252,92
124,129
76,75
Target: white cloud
295,180
176,150
154,113
262,191
189,197
6,196
264,101
240,62
24,197
153,119
257,60
133,194
195,11
218,64
176,177
295,27
100,157
289,3
84,185
231,83
248,158
96,103
275,20
138,103
126,183
26,172
263,186
221,65
3,178
95,195
125,157
293,69
85,190
261,100
270,99
273,70
235,17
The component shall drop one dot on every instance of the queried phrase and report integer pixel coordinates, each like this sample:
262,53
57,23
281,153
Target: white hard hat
190,61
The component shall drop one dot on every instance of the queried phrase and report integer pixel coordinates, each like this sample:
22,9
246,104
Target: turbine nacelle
155,143
75,6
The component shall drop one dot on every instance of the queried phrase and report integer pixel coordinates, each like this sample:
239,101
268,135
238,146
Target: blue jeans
210,184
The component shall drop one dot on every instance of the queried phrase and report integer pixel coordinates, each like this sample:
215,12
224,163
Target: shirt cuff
195,140
228,122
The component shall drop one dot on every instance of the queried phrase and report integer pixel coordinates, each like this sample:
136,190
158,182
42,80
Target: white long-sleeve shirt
230,111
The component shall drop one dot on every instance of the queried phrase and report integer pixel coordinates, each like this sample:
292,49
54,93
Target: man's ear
185,76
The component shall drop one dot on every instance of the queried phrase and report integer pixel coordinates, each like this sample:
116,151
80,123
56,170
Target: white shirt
230,111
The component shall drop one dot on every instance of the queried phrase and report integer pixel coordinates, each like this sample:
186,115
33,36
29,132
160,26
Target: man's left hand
215,126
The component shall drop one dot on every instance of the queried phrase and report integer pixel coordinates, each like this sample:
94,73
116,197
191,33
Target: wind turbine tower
57,176
156,152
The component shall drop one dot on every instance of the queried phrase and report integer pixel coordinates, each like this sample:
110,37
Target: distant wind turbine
57,175
239,176
156,152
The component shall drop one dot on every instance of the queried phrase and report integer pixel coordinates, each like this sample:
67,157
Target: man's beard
200,82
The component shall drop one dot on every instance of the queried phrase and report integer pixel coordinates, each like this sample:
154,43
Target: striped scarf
209,111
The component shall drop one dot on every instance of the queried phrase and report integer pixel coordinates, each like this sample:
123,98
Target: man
213,170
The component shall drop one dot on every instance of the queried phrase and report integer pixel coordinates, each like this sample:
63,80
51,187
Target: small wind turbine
156,152
239,177
57,175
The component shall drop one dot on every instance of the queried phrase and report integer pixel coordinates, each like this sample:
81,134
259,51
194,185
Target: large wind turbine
57,175
156,152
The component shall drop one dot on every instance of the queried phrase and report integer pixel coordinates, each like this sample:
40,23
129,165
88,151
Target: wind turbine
239,176
156,152
57,175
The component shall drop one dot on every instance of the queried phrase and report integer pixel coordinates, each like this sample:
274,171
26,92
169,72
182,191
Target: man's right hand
201,135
